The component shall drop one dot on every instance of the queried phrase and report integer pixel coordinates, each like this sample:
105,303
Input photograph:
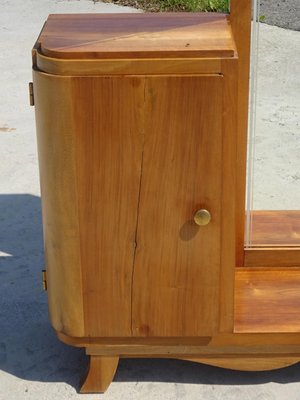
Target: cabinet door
109,114
177,263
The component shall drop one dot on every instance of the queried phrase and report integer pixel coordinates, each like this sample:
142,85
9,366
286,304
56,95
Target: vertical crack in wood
138,203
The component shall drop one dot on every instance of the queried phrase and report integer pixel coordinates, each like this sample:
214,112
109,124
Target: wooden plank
176,274
240,19
275,228
59,66
272,257
57,159
229,176
190,351
267,300
275,238
137,35
274,343
108,114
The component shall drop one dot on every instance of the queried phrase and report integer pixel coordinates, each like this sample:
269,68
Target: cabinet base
99,375
101,369
235,351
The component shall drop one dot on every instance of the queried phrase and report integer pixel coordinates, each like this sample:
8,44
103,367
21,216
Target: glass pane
252,118
274,133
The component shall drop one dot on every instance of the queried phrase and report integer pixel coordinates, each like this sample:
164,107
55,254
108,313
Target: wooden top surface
276,228
267,300
137,35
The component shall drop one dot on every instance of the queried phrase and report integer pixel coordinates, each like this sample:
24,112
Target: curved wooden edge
55,126
153,66
286,342
243,363
99,375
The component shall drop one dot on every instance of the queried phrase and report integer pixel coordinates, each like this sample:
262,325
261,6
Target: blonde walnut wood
137,35
121,132
228,203
275,228
275,238
267,300
100,373
57,162
240,342
109,116
272,257
177,263
89,67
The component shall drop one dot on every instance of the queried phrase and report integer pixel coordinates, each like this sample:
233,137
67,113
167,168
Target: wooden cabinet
140,124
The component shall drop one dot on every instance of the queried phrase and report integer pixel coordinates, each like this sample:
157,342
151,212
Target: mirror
273,176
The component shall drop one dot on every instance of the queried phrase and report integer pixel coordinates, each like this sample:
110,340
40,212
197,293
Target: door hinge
44,279
31,96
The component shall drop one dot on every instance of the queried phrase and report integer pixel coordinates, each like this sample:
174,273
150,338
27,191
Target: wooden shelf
267,300
276,228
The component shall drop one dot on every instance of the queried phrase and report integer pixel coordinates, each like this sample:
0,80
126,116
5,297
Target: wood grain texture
275,239
153,66
109,113
258,343
100,373
57,159
240,19
267,300
229,178
137,35
272,257
177,264
275,228
193,351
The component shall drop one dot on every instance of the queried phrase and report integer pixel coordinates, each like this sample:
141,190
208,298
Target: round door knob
202,217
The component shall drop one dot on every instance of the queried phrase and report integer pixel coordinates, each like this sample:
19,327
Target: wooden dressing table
142,134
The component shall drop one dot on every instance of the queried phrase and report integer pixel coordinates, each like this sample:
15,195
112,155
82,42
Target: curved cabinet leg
100,373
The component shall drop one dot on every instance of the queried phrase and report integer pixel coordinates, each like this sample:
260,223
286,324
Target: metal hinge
31,96
44,279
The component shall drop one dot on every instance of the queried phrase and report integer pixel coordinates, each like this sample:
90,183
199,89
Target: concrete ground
283,13
34,365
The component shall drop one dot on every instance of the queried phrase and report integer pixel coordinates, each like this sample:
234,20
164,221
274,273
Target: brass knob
202,217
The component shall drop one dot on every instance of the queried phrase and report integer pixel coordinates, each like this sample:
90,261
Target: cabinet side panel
109,114
229,205
240,19
55,128
176,277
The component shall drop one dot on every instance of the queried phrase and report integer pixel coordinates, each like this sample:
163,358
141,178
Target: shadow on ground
29,348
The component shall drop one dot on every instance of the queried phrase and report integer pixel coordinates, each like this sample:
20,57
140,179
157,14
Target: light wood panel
272,257
137,35
229,176
177,263
81,67
275,238
57,159
267,300
224,343
191,351
100,373
109,115
275,228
